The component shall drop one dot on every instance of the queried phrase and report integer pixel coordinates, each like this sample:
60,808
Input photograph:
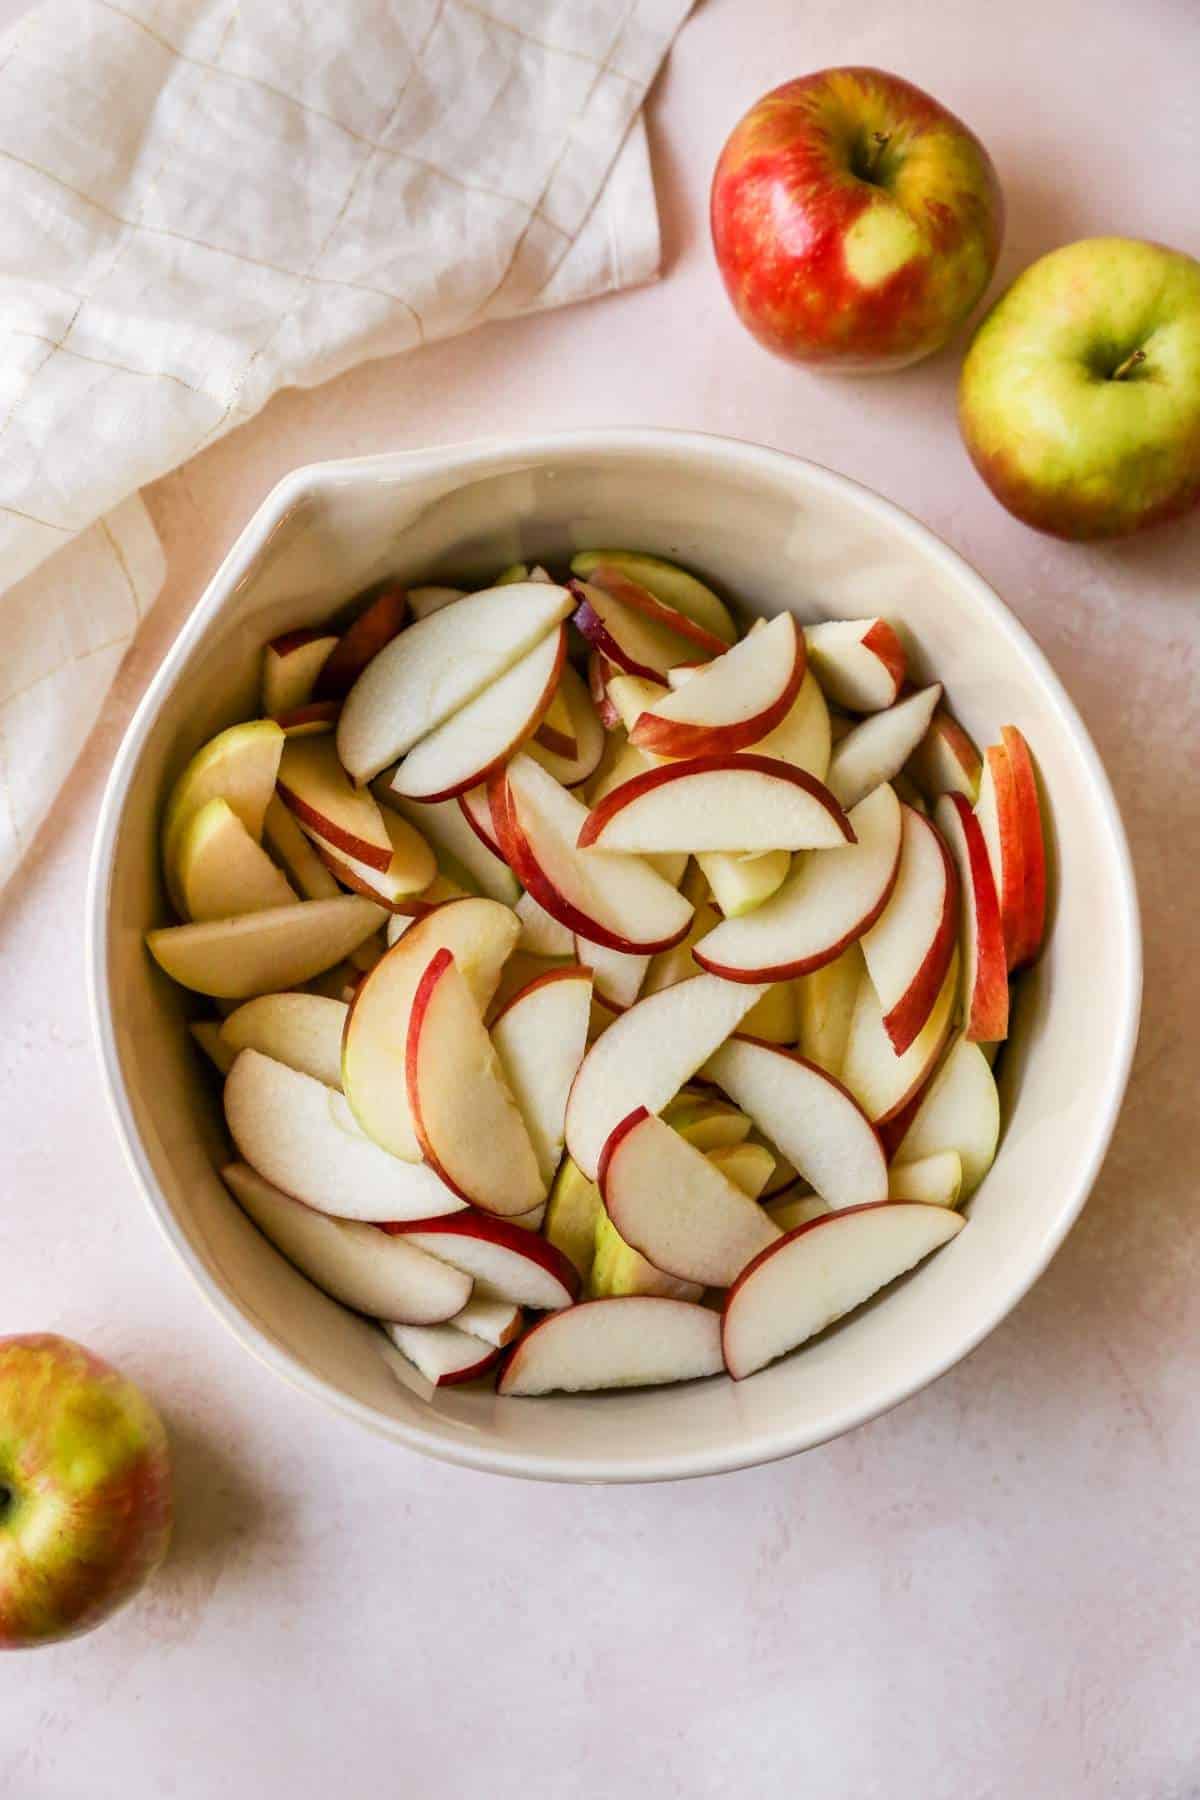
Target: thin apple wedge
443,1354
481,934
380,621
646,1055
572,1210
882,1081
878,748
221,871
378,1275
824,1008
638,1340
290,666
599,673
627,638
461,852
803,736
289,845
860,663
438,666
736,700
620,585
462,752
737,803
740,884
302,1030
908,948
238,766
946,761
705,1121
820,1272
505,1261
617,977
264,952
491,1320
675,587
541,934
476,809
827,902
791,1210
1033,860
557,729
677,1208
409,874
540,1038
999,820
463,1112
748,1166
315,787
819,1127
935,1180
618,1269
587,734
985,967
960,1110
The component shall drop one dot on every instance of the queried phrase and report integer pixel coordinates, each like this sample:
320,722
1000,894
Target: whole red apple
856,222
85,1490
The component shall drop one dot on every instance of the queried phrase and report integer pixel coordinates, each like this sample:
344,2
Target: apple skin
838,250
85,1466
1065,440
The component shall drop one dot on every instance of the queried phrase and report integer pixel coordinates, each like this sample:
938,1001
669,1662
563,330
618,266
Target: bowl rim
464,460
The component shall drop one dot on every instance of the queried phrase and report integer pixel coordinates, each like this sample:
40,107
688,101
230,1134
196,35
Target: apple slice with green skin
737,803
908,948
381,1276
462,752
289,845
820,1272
221,871
675,587
646,1055
860,663
791,1210
540,1038
302,1030
816,1123
629,640
411,871
1033,860
481,934
882,1081
803,736
465,1116
263,952
748,1166
239,766
999,820
491,1320
613,900
824,1008
290,667
438,666
587,730
960,1110
572,1212
461,852
984,966
619,585
376,626
935,1180
877,749
504,1261
207,1033
302,1137
443,1354
827,902
946,761
315,787
617,977
636,1340
422,601
736,700
741,884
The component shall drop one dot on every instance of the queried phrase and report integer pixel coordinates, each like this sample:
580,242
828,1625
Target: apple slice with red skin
600,673
878,747
587,731
946,761
314,786
378,623
476,809
628,638
1033,860
540,1037
881,1080
632,1340
669,584
823,1270
492,1320
459,848
383,1277
412,868
290,667
263,952
504,1260
737,699
482,735
675,1207
646,1055
465,1116
614,900
984,964
310,720
908,948
557,729
860,663
621,586
999,823
830,898
811,1118
443,1354
738,803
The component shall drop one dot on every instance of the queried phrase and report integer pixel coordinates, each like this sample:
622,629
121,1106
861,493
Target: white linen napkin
206,200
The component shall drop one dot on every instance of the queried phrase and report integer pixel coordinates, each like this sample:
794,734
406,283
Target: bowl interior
770,532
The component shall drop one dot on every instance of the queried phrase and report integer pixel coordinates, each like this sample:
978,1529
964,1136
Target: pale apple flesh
445,1355
860,663
909,947
636,1340
675,587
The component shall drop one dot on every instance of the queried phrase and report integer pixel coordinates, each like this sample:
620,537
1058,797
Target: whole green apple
855,220
1079,399
85,1490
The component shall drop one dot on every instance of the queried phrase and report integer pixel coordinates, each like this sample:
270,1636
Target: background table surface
992,1592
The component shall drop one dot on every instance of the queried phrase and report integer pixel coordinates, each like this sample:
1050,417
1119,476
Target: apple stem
879,143
1131,362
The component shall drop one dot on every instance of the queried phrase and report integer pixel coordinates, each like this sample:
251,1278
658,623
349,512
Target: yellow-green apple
1079,399
85,1490
855,220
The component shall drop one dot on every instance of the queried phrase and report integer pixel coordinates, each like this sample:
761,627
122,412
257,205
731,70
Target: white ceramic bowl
773,532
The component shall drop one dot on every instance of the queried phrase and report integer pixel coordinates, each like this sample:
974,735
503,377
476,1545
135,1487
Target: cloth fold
205,202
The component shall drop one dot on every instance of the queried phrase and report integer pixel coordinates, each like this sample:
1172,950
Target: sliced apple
773,1018
436,894
631,695
587,732
375,627
803,736
221,871
820,1272
422,601
819,1127
935,1180
672,585
438,666
315,787
476,809
999,822
1033,859
749,1166
462,752
637,1340
461,852
557,729
706,1122
504,1261
541,934
646,1055
738,803
290,846
572,1211
878,748
737,699
610,579
310,720
627,638
207,1033
829,900
860,663
740,884
263,952
960,1110
824,1008
481,934
378,1275
617,977
618,1269
540,1038
882,1080
410,873
443,1354
302,1030
908,948
791,1210
599,672
465,1116
300,1135
946,761
290,666
613,900
984,965
491,1320
239,766
677,964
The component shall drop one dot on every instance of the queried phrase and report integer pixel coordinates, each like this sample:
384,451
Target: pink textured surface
991,1591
